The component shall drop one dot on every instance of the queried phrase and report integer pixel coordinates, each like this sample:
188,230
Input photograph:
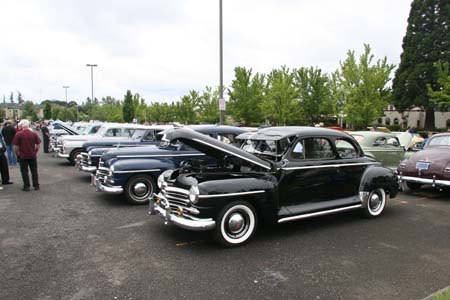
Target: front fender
258,189
379,177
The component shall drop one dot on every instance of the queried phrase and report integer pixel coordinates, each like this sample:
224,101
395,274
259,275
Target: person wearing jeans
26,145
8,133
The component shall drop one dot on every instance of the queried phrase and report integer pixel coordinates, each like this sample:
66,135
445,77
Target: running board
319,213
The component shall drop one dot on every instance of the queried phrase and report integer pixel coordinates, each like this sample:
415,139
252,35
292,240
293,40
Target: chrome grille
176,197
102,175
85,161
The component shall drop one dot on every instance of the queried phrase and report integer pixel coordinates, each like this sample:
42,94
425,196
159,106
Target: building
414,117
14,110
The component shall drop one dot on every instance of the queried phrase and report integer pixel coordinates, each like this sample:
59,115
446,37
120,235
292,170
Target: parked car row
229,179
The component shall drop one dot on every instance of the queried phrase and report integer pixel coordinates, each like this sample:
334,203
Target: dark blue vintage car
88,160
280,174
133,171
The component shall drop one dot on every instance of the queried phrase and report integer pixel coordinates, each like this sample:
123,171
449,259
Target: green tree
28,110
47,111
19,97
188,107
246,95
364,87
313,94
280,104
11,97
425,43
441,96
128,108
209,106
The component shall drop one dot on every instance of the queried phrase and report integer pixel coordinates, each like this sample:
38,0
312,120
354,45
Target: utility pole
92,79
66,87
221,99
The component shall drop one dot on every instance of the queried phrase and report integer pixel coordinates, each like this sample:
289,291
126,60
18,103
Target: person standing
4,170
8,133
26,145
45,136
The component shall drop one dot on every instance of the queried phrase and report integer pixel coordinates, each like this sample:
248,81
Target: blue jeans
12,159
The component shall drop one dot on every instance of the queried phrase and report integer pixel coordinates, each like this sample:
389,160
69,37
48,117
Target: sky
162,49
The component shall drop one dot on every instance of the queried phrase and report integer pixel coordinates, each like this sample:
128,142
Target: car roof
278,133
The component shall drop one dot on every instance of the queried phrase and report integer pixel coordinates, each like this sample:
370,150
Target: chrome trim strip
330,166
104,168
320,213
232,153
231,194
177,190
136,171
424,180
159,155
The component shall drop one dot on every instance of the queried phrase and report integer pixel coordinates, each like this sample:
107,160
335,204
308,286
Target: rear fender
379,177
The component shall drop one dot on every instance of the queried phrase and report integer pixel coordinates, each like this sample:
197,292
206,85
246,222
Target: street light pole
221,100
66,87
92,79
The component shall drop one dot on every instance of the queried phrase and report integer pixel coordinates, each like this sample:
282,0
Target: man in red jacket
26,145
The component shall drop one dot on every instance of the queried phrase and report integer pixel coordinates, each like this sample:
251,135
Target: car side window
227,138
345,149
393,142
128,132
113,132
298,152
380,141
150,136
313,148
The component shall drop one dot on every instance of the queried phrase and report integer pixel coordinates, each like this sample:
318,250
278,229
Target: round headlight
90,152
193,194
160,181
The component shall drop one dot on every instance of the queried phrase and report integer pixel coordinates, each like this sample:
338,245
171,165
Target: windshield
405,138
439,141
138,134
269,147
101,130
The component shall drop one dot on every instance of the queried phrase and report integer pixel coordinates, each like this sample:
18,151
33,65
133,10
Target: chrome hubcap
236,223
140,189
375,202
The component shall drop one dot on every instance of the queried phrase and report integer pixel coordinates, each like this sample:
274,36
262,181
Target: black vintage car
133,171
280,174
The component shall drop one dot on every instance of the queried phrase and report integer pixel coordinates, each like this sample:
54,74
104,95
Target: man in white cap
26,146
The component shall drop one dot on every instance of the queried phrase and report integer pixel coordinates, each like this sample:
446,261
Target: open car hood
69,129
211,146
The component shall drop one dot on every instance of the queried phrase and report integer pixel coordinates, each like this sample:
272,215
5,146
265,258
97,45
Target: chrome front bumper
63,155
99,187
434,182
171,218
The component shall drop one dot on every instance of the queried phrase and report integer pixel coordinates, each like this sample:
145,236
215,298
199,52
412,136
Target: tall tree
11,97
188,107
313,93
441,96
28,110
364,87
128,107
425,43
280,104
209,108
246,94
19,97
47,111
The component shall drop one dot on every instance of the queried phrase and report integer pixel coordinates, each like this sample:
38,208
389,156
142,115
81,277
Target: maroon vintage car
430,166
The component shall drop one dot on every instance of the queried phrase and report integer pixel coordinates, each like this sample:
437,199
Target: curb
431,297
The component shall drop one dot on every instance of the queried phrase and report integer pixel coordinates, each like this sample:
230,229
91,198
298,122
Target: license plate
422,165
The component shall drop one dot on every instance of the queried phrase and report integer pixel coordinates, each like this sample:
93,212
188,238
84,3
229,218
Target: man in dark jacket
45,136
8,133
4,170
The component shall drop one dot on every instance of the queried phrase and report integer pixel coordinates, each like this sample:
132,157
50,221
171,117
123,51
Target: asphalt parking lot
68,242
